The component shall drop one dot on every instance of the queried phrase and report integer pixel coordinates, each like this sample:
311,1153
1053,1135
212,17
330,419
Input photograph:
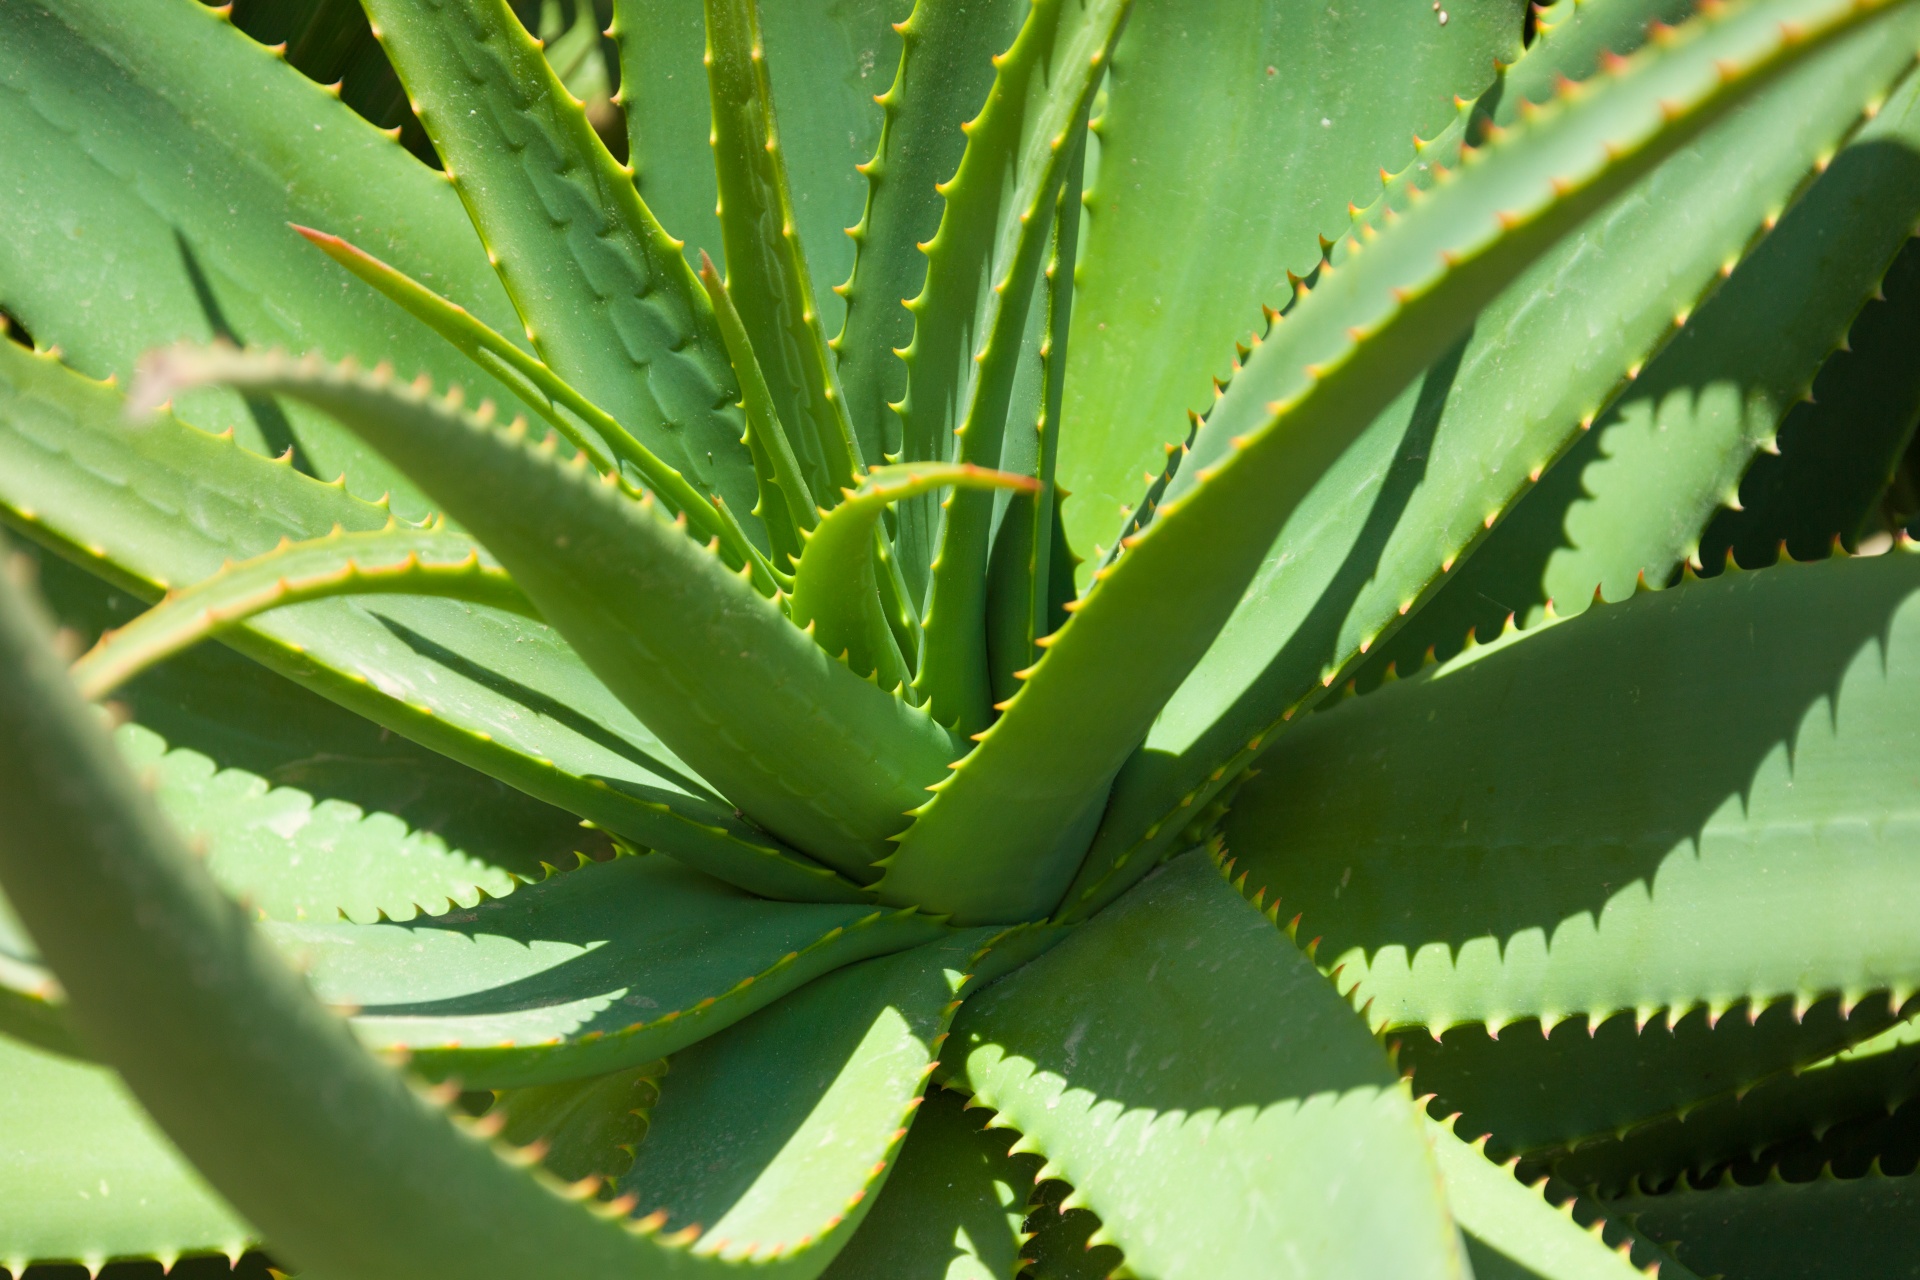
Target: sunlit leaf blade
810,1100
1820,1230
982,268
692,648
1229,143
1303,398
943,73
1692,805
836,589
1461,443
109,107
766,265
392,561
953,1205
1208,1094
87,1177
489,689
608,301
1513,1232
331,1153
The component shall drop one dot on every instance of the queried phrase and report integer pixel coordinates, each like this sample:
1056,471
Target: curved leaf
1208,1094
590,1128
390,561
809,1100
491,690
86,1176
688,645
1693,800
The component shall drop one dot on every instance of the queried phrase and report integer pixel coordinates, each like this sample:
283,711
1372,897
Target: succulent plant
724,773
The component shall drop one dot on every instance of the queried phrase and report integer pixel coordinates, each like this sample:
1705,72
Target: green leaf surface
944,73
1512,1232
836,591
1636,492
1291,414
492,690
607,299
1233,136
393,561
766,265
953,1205
689,646
806,1104
107,252
590,1128
1208,1094
87,1177
1829,1228
982,268
1694,800
1416,491
333,1155
1838,453
1869,1080
606,967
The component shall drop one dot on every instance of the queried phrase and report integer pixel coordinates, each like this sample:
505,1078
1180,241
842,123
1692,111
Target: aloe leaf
87,1177
1828,1228
590,1128
492,690
682,640
602,968
333,1155
1839,452
810,1099
1637,491
982,267
1744,792
1207,1093
1064,1239
1512,1232
1227,146
1466,440
766,265
953,1205
1020,569
1866,1081
610,446
574,244
787,505
1291,414
108,108
395,561
836,591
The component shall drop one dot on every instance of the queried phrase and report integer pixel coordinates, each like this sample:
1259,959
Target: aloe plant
900,734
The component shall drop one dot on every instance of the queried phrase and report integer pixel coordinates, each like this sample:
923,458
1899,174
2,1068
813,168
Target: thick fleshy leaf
107,252
1822,1230
1229,142
590,1127
953,1205
1420,485
969,320
1025,797
1686,803
807,1103
944,72
606,297
1208,1094
1636,492
1512,1232
329,1152
492,690
86,1177
693,649
606,967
